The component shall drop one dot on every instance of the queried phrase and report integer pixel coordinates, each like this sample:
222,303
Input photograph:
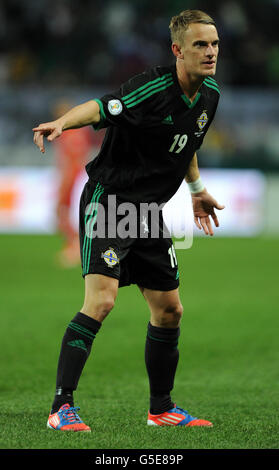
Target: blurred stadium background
72,50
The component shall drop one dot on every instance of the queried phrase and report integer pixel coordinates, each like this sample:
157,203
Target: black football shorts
116,240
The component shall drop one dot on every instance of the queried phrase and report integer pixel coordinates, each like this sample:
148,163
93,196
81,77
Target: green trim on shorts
91,217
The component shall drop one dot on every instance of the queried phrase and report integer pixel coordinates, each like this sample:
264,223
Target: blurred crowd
80,49
103,42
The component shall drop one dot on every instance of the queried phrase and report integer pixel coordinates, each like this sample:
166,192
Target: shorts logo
145,226
202,120
110,257
115,107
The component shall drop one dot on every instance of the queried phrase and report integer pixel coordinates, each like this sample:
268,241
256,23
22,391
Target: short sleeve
138,102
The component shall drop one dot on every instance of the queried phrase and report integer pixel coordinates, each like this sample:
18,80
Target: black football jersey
153,131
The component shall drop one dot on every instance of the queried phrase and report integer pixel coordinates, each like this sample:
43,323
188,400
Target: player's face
200,49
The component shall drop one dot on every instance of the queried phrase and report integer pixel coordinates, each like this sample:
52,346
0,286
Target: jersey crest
110,257
202,120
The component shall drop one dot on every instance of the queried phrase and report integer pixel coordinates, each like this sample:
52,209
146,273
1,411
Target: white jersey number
179,143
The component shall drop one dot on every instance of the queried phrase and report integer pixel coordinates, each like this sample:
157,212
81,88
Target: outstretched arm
203,203
79,116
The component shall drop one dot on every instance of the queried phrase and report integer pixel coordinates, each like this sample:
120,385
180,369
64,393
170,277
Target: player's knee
106,305
171,315
99,306
175,313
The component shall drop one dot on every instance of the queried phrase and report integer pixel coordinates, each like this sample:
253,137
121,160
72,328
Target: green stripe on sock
174,342
80,329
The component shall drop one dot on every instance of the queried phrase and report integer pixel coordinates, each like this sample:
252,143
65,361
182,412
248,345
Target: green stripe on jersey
147,85
211,85
212,80
147,90
161,88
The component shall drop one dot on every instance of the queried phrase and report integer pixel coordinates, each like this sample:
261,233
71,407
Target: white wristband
197,186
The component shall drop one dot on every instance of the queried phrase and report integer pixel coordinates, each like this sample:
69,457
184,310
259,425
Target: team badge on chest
202,120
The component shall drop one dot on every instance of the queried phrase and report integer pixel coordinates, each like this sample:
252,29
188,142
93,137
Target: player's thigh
100,295
165,307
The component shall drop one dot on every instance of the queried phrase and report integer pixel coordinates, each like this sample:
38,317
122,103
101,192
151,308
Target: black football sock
75,350
161,359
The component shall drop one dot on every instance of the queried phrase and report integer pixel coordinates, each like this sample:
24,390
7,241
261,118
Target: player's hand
50,130
204,206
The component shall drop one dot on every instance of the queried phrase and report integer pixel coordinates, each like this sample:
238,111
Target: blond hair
180,23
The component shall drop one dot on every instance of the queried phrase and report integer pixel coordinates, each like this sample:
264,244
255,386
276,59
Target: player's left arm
204,204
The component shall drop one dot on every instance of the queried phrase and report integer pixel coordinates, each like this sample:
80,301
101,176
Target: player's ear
176,49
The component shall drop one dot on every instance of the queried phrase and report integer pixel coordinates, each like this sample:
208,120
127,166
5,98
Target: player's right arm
82,115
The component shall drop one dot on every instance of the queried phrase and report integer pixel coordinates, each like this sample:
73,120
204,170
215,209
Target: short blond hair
180,23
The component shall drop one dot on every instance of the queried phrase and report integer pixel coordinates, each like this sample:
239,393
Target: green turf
228,369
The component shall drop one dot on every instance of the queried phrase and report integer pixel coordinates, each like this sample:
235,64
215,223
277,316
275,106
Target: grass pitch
228,369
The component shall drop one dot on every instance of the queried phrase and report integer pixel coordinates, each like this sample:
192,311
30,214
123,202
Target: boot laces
71,415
